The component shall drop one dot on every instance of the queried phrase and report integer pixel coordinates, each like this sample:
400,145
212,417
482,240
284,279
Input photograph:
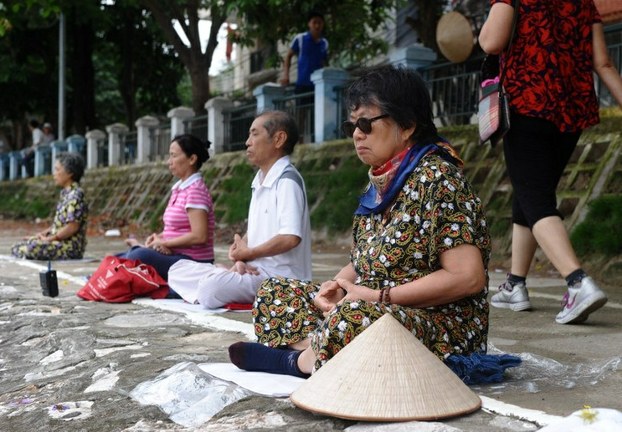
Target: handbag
121,280
493,110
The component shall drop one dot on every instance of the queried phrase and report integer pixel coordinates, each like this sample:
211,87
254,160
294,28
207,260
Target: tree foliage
354,28
125,57
118,65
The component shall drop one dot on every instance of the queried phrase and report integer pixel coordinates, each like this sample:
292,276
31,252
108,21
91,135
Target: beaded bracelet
381,295
388,295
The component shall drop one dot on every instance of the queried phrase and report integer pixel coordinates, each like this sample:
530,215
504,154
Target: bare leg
302,345
523,249
306,361
552,237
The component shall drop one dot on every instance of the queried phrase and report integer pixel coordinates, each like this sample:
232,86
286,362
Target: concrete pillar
115,131
40,153
178,116
326,104
58,147
15,165
143,137
216,122
93,138
415,56
4,167
265,95
76,144
24,171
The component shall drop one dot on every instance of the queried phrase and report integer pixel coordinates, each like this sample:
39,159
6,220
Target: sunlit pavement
52,350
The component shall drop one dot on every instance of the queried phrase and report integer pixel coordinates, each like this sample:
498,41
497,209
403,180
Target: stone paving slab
67,364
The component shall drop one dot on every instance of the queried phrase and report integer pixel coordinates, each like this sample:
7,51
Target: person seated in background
420,250
189,215
66,238
48,133
28,154
278,238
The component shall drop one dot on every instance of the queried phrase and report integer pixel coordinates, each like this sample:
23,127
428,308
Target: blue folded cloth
481,368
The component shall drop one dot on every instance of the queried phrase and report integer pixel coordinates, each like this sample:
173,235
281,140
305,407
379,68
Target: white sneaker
580,301
511,297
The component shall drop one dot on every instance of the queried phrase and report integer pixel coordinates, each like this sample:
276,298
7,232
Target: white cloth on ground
212,286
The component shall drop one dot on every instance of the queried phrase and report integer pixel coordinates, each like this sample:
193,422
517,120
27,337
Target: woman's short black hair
191,145
73,163
399,92
281,121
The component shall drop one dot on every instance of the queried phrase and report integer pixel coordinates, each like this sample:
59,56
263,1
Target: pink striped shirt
191,193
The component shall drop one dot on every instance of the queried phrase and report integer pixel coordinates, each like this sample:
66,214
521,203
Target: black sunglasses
364,124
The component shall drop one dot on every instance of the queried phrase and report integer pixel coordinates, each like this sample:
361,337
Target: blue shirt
311,56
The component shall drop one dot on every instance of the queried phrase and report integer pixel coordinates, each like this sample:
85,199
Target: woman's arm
461,275
65,232
280,243
603,65
331,291
496,31
199,232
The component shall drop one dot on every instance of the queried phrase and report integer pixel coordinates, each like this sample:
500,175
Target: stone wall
334,178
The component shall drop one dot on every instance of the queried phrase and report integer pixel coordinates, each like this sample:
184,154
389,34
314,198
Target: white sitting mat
177,305
258,382
206,317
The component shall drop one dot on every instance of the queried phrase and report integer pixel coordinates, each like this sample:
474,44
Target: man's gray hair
276,121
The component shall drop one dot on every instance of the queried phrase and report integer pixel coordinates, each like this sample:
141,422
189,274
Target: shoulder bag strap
507,49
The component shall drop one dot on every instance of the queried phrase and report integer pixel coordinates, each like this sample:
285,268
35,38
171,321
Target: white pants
213,286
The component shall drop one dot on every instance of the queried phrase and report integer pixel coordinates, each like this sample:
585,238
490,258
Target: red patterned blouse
550,68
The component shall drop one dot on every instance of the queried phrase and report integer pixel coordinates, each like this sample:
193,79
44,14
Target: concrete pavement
66,364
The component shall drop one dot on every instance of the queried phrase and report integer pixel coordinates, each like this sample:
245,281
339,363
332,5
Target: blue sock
515,280
256,357
575,277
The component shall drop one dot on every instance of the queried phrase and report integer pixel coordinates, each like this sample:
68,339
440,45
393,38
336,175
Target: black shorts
536,154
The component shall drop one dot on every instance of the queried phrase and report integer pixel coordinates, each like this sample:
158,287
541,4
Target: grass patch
600,232
333,194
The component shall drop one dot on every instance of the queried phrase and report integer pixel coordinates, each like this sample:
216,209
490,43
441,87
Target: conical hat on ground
386,374
455,37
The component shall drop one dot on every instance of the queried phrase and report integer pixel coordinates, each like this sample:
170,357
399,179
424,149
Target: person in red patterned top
549,68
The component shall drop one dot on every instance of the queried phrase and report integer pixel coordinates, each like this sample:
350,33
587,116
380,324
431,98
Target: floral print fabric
70,208
549,70
436,210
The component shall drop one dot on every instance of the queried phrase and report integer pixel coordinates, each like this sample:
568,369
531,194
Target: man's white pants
213,286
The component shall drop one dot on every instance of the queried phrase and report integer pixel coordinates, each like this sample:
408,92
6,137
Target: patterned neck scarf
380,193
382,176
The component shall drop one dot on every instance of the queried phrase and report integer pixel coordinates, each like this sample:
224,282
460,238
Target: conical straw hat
386,374
454,37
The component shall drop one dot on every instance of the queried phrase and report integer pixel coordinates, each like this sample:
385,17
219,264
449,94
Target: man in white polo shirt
278,239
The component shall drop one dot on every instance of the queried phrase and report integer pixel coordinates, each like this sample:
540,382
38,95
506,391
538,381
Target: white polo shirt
279,206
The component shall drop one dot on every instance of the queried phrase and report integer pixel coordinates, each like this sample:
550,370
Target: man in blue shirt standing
312,51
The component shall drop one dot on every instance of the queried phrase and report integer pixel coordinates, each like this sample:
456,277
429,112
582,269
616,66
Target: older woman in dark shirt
66,237
420,244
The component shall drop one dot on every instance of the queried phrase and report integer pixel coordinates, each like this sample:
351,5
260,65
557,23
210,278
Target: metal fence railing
454,87
102,153
159,140
238,121
197,126
129,145
302,107
613,36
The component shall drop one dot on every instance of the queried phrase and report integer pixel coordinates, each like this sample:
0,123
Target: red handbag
121,280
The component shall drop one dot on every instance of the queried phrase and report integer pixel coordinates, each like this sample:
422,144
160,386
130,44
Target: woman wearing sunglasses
420,244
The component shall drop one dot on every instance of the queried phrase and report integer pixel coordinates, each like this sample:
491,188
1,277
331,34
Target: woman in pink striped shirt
189,216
